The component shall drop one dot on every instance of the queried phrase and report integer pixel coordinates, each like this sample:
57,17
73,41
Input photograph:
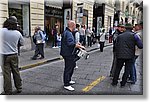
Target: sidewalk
51,54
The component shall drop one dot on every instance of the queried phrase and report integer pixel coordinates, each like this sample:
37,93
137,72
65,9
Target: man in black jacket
125,53
120,29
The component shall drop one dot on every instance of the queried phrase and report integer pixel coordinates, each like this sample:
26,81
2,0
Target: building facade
48,13
83,12
3,11
103,15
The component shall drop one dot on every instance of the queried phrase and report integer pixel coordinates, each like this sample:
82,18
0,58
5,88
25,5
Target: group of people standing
126,45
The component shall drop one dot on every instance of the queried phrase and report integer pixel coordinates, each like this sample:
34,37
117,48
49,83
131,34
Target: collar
68,29
139,31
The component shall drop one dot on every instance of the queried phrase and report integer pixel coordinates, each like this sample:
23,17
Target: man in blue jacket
67,46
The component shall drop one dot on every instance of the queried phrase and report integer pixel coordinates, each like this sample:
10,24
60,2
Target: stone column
36,17
3,11
36,14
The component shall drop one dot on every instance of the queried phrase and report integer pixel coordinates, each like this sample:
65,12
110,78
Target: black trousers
89,41
69,68
101,46
83,40
128,68
39,50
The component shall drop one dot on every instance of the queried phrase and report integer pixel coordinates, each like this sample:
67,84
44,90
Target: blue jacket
67,43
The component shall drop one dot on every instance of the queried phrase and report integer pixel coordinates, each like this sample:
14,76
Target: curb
39,63
50,60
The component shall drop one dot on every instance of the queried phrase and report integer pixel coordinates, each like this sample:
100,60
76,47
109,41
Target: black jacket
125,45
115,35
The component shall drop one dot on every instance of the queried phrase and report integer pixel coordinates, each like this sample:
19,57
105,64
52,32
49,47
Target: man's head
138,26
37,28
77,25
71,25
121,27
128,26
11,23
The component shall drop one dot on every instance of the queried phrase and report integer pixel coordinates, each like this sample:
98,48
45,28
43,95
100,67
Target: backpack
45,36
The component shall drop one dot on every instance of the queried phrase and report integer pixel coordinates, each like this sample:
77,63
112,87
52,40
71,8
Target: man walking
10,38
39,42
67,47
125,53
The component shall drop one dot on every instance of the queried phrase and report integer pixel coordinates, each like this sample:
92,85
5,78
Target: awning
54,3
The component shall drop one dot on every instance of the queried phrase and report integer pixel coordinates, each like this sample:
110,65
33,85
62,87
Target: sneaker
76,67
130,81
72,82
70,88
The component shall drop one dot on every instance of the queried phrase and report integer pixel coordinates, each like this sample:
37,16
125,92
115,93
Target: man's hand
78,45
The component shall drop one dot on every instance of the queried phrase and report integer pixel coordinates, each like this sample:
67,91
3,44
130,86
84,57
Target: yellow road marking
94,83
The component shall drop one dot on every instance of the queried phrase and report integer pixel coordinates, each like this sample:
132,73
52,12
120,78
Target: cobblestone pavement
92,77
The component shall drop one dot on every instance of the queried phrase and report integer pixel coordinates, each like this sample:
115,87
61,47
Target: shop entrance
50,23
53,17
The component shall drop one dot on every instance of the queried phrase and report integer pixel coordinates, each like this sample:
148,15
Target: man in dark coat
119,30
67,46
125,53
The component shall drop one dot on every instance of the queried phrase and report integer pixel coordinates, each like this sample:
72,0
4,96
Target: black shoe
33,58
113,84
110,75
3,93
122,86
19,90
41,58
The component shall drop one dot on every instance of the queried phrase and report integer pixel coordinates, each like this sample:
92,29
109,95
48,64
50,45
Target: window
123,6
131,11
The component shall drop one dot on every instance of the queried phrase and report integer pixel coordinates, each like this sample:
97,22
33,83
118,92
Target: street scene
47,78
71,47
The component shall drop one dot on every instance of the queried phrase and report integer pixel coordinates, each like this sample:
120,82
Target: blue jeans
133,76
